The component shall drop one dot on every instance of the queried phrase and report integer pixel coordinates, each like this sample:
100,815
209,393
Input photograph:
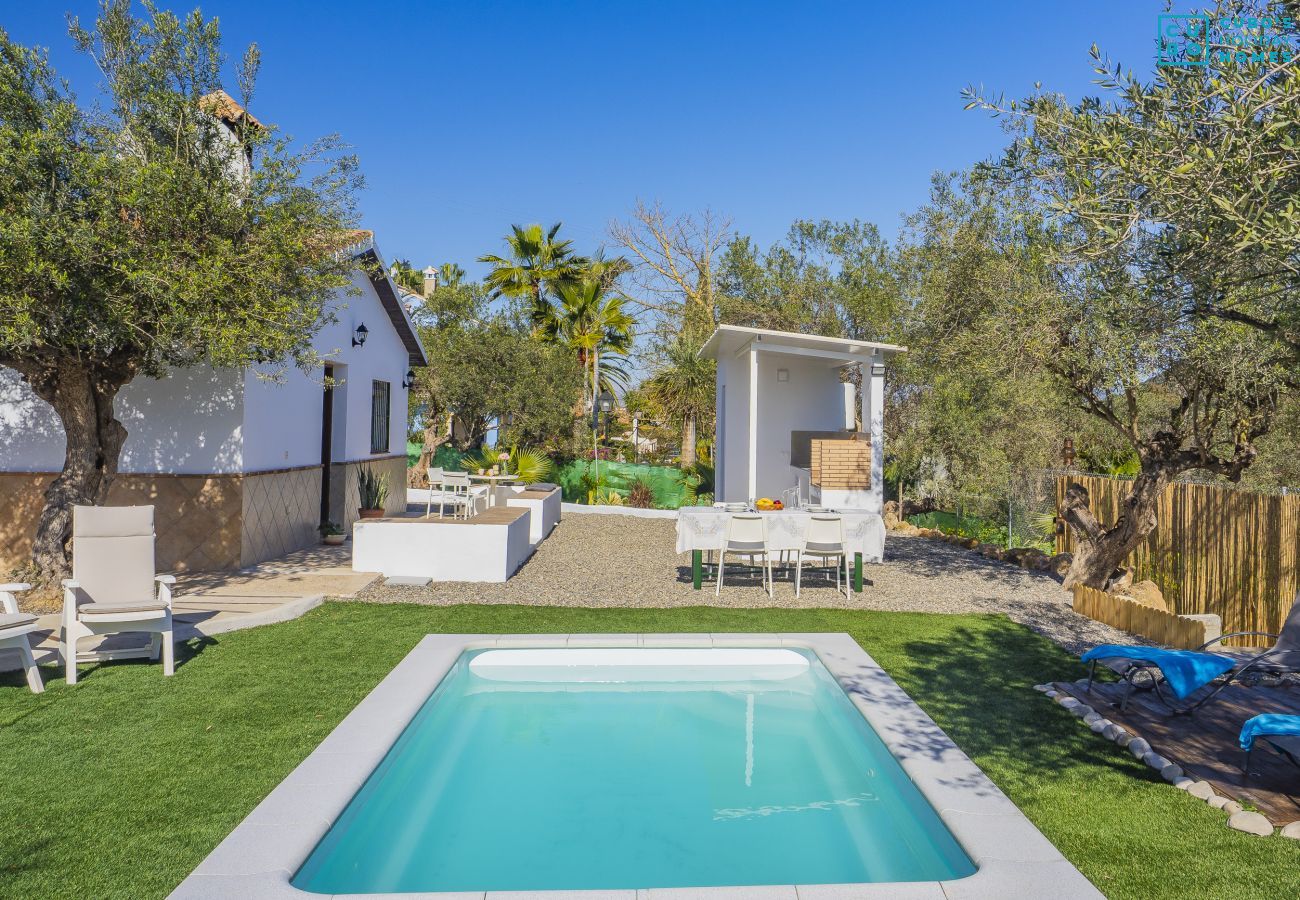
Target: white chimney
430,280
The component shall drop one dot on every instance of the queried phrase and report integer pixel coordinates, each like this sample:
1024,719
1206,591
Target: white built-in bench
491,546
543,507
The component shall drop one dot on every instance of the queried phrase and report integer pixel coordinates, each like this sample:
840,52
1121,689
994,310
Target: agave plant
372,488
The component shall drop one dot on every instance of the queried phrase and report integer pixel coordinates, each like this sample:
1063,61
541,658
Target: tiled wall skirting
209,522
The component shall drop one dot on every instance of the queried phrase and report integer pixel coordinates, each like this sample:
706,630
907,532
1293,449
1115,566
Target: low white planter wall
544,514
583,509
441,550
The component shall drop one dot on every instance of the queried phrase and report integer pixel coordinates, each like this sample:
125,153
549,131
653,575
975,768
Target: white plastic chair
461,493
15,627
112,589
746,536
435,484
823,541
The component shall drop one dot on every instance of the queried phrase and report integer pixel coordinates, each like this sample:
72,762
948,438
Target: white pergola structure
777,391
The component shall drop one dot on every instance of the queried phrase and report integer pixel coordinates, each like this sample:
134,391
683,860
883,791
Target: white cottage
240,468
787,419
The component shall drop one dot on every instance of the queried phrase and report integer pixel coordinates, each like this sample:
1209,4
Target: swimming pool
623,767
537,769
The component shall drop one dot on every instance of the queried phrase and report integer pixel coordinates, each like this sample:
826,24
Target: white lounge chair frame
15,634
112,589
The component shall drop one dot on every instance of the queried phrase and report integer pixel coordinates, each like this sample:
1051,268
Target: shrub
641,494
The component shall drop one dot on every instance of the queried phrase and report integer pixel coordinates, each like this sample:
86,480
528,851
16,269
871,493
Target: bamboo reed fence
1164,628
1215,549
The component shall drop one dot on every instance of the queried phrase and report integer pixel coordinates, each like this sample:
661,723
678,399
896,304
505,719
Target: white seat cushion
117,609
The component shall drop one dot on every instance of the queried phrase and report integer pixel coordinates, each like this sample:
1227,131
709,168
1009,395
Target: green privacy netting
576,478
445,457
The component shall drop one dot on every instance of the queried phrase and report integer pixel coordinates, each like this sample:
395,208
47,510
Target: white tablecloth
704,528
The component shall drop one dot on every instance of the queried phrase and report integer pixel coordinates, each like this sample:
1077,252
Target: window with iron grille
380,394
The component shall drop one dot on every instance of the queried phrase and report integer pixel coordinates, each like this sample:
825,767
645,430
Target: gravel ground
622,561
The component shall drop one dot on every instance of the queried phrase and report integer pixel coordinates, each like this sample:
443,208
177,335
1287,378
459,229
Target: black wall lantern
359,336
409,381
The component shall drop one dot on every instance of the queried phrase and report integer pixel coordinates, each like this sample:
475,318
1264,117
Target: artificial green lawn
119,786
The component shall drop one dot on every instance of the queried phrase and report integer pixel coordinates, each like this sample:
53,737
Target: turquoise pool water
517,776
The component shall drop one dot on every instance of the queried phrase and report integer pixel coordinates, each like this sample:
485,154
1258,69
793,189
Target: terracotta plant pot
371,513
335,540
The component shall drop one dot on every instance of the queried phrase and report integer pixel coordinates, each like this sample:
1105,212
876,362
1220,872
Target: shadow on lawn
978,686
50,674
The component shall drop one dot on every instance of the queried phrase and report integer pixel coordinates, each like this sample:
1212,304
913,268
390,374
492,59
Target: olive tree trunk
436,433
82,395
1099,552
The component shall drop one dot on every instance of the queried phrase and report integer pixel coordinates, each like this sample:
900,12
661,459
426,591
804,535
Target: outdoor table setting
495,483
701,528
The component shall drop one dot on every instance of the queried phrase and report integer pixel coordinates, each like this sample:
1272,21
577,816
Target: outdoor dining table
494,483
701,528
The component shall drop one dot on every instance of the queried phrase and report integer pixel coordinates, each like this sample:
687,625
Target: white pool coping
1013,859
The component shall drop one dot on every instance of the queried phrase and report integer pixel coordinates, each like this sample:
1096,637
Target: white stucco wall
812,399
207,421
732,475
187,423
282,418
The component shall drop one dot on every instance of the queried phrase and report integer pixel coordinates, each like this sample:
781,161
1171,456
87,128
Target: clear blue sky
468,116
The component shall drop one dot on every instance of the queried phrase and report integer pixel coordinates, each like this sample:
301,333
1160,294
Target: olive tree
1167,309
167,228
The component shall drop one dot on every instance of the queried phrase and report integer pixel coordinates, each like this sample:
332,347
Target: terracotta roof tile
225,108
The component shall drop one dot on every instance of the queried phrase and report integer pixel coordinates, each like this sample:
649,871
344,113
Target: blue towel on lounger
1184,670
1269,723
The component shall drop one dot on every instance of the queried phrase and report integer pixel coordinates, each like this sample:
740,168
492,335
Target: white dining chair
462,493
746,536
824,541
435,486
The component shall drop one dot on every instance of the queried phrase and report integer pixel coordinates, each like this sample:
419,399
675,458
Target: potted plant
372,491
333,534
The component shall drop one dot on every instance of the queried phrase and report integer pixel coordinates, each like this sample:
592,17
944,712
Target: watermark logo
1196,40
1183,40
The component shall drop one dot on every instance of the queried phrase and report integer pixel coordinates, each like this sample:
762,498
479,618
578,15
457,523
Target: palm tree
450,275
406,275
536,263
682,388
590,318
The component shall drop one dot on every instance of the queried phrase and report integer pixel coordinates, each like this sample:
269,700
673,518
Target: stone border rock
1239,818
